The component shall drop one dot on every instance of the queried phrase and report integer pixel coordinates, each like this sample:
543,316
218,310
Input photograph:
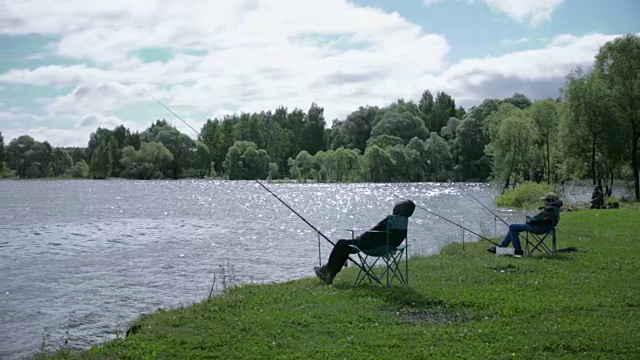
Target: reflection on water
87,257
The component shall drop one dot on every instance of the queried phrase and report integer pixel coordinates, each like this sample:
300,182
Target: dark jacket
378,235
548,216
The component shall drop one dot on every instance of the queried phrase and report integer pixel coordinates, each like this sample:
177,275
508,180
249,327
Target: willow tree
377,164
439,159
346,164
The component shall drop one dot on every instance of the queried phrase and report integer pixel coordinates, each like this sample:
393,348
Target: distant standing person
540,223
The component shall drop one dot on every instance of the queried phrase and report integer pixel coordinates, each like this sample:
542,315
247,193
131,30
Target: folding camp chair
538,242
389,255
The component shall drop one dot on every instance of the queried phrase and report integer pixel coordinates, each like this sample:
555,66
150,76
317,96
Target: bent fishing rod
484,206
454,223
246,172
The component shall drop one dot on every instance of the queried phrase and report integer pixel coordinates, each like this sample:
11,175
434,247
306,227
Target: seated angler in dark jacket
371,239
540,223
597,198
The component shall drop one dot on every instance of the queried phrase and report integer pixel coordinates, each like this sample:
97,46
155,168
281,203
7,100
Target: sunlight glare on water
88,257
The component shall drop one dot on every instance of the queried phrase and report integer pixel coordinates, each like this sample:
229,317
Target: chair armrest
351,231
368,231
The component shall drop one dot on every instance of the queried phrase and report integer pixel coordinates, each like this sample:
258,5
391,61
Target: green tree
29,158
302,166
78,170
101,161
417,160
512,148
471,140
251,128
448,132
347,164
355,130
426,107
313,131
401,158
400,119
202,165
101,135
444,108
278,144
484,110
2,156
62,162
377,164
295,124
439,159
384,141
152,161
590,126
618,63
245,161
545,118
181,146
518,100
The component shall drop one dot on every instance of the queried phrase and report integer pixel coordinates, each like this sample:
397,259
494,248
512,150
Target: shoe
323,274
518,252
492,249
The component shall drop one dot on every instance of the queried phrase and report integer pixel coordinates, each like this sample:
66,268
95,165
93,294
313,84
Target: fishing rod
246,172
454,223
484,206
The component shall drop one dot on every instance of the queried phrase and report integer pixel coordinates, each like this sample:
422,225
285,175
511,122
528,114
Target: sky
68,67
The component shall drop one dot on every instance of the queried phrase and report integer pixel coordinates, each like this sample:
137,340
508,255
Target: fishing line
454,223
484,206
246,172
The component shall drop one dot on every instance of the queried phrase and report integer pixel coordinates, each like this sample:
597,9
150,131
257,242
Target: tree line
591,131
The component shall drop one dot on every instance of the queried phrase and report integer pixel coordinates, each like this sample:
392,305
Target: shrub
527,195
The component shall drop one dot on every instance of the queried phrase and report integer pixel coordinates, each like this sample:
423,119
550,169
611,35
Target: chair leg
388,271
535,242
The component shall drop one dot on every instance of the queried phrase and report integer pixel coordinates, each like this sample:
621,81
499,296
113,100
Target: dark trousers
339,255
369,240
514,231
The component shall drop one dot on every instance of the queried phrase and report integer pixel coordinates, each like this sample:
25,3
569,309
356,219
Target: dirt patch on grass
416,317
507,269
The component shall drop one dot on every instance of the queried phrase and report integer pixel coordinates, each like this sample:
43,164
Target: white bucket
505,251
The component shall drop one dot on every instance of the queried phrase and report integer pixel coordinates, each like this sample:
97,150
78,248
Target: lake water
79,260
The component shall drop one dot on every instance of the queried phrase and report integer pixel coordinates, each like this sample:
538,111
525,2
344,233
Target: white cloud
536,73
10,116
83,126
524,11
257,56
96,97
533,12
509,42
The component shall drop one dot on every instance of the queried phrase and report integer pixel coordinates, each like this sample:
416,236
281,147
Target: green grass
460,305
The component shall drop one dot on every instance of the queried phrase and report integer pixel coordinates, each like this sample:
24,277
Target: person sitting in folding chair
597,198
371,239
541,223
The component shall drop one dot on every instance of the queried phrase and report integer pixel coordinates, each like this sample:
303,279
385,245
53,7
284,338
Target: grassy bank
469,305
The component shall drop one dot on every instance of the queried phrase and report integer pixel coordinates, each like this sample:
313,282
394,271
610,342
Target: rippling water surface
81,259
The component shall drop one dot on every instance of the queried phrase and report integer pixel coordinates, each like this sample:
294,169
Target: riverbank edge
462,303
